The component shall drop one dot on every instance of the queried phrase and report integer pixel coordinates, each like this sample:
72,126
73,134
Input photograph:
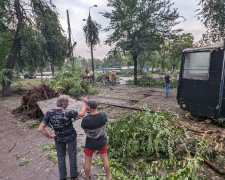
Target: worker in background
91,76
104,80
112,76
107,75
85,73
114,72
167,83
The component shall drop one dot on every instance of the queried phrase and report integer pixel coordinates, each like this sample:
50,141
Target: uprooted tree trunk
30,98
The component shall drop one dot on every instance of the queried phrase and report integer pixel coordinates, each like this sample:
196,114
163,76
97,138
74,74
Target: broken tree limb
127,107
188,129
18,157
203,132
211,165
45,93
12,147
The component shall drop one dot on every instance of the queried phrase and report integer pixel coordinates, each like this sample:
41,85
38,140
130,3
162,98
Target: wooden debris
211,165
35,94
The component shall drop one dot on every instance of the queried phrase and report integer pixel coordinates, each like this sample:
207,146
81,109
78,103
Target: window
196,65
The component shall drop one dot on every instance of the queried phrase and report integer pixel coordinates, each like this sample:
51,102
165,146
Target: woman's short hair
62,100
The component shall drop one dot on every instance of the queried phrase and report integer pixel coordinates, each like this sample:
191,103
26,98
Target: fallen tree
31,97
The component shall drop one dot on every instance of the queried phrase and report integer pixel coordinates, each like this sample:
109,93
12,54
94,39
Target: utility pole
70,46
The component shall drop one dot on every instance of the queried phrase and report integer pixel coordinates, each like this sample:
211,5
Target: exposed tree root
29,99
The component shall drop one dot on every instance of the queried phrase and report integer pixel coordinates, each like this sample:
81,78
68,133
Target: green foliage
52,155
33,54
140,135
151,59
25,162
211,14
189,169
144,134
33,36
5,46
91,31
176,48
3,75
140,26
48,147
118,170
34,124
80,148
71,82
129,73
153,82
48,23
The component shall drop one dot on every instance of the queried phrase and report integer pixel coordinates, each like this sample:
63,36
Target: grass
34,124
19,86
52,155
48,147
25,162
80,148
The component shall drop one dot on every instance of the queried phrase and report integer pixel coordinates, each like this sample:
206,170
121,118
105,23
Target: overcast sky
78,10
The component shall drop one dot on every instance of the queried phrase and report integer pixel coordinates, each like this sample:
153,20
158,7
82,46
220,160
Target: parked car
29,76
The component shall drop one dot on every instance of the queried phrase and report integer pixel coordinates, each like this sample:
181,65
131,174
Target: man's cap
91,102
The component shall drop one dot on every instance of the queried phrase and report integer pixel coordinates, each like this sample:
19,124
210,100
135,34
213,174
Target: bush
125,73
142,136
153,82
72,83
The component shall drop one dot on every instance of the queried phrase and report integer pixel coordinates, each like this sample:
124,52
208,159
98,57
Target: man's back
95,126
61,120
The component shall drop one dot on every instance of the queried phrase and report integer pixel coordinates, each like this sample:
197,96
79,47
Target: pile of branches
30,98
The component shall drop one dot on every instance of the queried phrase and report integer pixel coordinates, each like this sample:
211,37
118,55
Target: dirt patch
18,140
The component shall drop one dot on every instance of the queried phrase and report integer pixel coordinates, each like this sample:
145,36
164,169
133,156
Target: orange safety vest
85,74
114,73
107,74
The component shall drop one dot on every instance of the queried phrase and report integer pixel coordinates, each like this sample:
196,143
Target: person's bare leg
87,166
105,161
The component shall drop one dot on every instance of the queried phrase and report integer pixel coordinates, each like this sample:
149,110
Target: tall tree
39,15
91,31
140,25
5,46
33,55
9,8
50,27
212,14
183,41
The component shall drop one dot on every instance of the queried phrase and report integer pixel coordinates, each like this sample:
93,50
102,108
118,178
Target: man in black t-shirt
64,133
167,83
94,126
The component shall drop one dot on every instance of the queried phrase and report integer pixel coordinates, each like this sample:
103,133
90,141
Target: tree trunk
92,62
135,69
173,67
52,69
14,50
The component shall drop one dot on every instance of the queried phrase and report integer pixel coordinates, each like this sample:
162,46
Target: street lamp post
92,58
